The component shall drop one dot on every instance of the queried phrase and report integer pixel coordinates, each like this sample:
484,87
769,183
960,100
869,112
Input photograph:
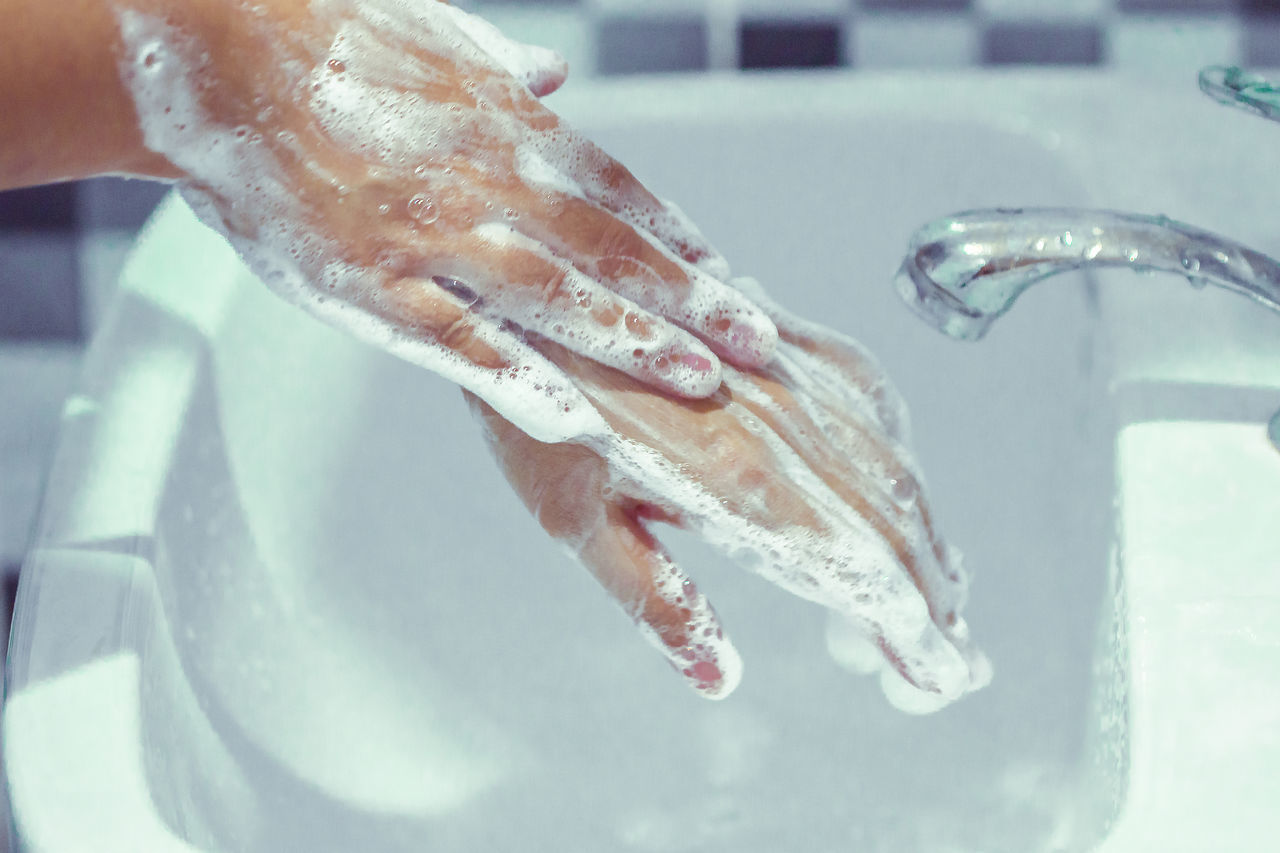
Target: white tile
102,255
34,381
913,41
1042,10
649,8
1173,45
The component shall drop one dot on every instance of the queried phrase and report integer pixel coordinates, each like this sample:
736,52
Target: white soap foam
619,345
239,185
849,646
524,62
751,336
845,564
708,660
236,187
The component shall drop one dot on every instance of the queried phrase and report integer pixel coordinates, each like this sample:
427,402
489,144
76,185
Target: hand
388,166
798,469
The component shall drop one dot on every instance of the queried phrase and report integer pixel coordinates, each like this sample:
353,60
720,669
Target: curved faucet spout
1238,88
964,271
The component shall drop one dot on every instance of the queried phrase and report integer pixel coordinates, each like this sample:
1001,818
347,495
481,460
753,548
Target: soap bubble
423,210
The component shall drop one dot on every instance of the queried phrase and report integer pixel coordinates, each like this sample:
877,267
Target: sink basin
283,600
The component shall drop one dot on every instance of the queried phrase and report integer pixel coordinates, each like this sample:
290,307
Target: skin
608,271
742,448
67,115
597,252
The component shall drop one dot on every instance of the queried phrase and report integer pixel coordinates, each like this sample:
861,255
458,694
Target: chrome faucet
963,272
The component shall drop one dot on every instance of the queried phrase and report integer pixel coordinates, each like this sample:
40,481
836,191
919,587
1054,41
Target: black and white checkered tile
59,245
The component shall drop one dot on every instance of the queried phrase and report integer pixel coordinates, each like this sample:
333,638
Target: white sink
282,600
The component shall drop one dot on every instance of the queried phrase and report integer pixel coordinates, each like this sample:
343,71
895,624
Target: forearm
65,109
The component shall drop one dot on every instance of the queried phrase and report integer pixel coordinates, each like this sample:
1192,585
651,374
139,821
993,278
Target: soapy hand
799,470
386,164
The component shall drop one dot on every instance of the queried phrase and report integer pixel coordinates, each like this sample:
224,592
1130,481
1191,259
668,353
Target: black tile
788,44
117,202
1042,44
9,573
9,591
627,45
51,206
1260,44
39,286
917,5
1167,6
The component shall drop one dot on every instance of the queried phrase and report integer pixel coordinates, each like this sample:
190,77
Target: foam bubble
908,698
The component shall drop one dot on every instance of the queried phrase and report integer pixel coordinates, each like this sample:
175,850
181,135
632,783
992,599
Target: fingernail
691,373
711,667
697,362
756,340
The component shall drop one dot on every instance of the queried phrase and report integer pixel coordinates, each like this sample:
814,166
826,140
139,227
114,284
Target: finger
865,471
837,363
547,78
441,315
433,326
664,603
852,557
540,69
864,439
634,264
564,486
547,295
885,569
608,183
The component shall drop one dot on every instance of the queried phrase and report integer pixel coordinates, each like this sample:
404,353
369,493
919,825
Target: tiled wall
60,246
624,36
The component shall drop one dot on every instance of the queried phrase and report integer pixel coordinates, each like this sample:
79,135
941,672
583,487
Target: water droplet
423,209
511,213
420,170
337,66
902,490
1065,239
384,209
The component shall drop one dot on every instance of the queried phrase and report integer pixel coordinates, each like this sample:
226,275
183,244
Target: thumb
665,604
541,69
564,486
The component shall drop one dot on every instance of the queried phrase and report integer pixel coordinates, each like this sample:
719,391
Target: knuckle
457,334
553,285
618,239
566,496
727,448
